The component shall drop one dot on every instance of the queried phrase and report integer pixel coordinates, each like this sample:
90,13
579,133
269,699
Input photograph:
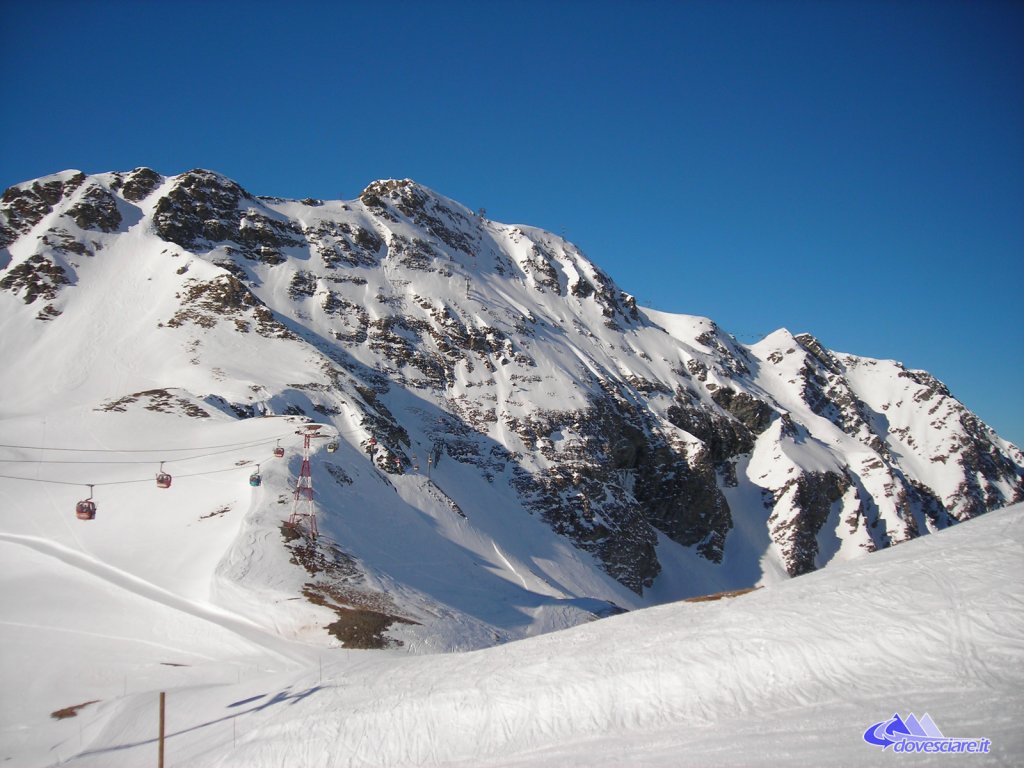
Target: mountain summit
506,415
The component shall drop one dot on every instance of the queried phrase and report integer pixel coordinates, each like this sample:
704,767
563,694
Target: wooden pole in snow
160,761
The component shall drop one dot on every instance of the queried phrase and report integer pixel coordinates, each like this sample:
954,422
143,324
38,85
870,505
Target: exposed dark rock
344,244
303,284
226,297
22,207
426,210
723,437
97,209
262,237
36,277
159,400
985,469
200,207
61,241
49,312
364,615
819,353
752,413
417,254
355,318
204,209
140,184
813,494
680,495
541,268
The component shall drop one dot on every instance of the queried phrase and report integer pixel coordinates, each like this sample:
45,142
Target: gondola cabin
332,447
279,451
86,510
163,480
255,480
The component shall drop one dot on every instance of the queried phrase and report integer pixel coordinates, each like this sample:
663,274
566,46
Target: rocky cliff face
437,334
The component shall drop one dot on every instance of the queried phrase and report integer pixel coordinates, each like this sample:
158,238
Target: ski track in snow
126,581
510,566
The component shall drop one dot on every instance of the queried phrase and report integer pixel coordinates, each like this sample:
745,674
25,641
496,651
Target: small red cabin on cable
86,508
163,480
279,451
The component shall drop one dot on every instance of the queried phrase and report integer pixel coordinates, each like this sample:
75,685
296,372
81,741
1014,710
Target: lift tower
303,515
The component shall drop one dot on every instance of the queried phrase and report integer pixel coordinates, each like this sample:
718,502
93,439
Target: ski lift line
49,482
248,444
129,461
127,482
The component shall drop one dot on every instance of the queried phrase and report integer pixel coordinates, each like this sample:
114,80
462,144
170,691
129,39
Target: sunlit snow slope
789,675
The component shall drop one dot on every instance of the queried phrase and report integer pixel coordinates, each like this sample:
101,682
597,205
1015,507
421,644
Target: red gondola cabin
86,510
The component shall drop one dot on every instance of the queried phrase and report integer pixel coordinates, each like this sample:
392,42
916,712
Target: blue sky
850,169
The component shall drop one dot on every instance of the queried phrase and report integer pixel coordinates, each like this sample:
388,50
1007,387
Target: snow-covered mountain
520,446
509,446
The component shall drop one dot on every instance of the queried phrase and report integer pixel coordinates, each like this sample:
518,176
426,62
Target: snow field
793,673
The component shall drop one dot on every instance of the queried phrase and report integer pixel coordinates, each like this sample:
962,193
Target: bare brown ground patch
720,595
364,615
72,711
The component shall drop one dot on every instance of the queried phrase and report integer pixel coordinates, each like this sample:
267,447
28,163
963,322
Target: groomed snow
789,675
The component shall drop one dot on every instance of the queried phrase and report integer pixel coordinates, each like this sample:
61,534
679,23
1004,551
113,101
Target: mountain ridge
425,333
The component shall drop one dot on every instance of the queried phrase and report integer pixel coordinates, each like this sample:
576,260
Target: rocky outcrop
587,490
96,209
25,205
36,277
986,471
800,509
204,209
406,198
341,244
140,184
206,303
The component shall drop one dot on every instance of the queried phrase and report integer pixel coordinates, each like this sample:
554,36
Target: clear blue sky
852,169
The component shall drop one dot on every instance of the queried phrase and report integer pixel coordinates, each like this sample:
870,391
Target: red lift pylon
302,507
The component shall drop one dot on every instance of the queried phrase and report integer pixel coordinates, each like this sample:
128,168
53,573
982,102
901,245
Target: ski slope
792,674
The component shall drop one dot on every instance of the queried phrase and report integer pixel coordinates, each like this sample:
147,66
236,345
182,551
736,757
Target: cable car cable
126,482
129,461
249,443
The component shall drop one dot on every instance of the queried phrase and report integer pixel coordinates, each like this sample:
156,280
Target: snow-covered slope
519,447
793,674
